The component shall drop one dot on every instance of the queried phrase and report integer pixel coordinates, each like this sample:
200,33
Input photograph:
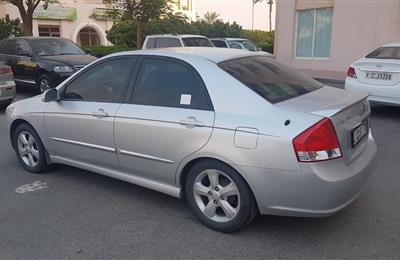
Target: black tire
44,83
41,164
247,209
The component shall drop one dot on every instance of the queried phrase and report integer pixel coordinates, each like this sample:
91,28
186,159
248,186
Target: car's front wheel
44,83
219,197
29,149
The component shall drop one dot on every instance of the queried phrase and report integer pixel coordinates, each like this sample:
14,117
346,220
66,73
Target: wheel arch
13,127
189,164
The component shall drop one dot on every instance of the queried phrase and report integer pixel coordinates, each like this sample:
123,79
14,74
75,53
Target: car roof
230,39
35,38
213,54
395,44
177,35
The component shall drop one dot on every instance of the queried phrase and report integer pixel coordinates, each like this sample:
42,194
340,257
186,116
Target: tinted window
170,84
173,42
105,82
151,43
220,44
23,47
162,43
385,53
270,79
249,46
197,41
8,47
235,45
54,46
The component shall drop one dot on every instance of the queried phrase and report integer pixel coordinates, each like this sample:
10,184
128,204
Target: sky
239,11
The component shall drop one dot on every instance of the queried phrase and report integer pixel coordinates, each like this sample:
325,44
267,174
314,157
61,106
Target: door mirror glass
88,51
51,95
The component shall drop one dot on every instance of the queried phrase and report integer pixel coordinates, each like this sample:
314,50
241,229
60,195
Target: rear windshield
270,79
197,41
385,53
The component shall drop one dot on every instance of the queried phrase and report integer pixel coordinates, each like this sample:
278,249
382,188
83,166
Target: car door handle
191,121
100,113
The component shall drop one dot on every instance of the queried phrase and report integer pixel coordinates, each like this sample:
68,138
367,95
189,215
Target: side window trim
133,65
139,64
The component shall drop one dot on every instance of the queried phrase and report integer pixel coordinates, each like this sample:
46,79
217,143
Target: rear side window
220,44
385,53
151,43
270,79
197,41
8,47
169,84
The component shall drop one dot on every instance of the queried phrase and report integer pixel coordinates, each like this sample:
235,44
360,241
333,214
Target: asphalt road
78,214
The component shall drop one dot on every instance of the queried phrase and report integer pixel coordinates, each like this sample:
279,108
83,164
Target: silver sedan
234,133
7,85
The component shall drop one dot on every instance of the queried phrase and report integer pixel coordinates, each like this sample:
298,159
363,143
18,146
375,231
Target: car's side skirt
161,187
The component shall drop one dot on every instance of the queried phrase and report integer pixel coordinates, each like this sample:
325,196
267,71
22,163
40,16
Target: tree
140,12
211,17
26,9
270,3
9,27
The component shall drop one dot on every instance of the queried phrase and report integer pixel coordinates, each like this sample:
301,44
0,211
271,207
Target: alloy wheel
44,85
216,195
28,149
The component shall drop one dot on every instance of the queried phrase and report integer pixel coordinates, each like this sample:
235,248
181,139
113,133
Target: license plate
378,75
359,132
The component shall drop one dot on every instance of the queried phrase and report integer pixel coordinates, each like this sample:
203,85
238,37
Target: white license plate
378,75
359,132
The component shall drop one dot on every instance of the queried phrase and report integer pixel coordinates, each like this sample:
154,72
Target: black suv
42,62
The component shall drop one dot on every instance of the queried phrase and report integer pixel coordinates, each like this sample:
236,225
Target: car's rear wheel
219,197
29,149
45,82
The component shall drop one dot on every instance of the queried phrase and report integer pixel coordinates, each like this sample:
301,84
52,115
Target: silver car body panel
7,86
153,146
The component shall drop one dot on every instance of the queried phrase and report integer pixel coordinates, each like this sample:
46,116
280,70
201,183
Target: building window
49,30
314,28
88,37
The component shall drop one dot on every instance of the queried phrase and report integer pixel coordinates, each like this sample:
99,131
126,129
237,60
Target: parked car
7,84
279,143
42,62
175,40
235,43
378,73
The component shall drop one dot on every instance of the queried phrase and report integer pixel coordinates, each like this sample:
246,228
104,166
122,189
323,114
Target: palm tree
270,3
211,17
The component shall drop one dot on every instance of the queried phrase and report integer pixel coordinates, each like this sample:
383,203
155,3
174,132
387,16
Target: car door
169,117
25,66
80,125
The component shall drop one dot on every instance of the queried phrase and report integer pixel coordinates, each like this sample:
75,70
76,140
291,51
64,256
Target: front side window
54,46
105,82
235,45
385,53
314,28
169,84
269,78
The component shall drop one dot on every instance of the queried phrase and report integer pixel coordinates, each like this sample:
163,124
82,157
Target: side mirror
88,51
51,95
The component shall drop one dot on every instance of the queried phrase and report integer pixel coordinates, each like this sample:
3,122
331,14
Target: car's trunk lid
346,109
378,71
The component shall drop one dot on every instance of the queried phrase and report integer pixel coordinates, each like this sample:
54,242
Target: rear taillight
317,143
5,70
351,72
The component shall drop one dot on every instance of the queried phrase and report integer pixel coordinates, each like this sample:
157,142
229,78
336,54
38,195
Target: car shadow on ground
382,111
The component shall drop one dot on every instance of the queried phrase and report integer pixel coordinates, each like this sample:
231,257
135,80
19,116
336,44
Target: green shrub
100,51
263,39
266,47
9,27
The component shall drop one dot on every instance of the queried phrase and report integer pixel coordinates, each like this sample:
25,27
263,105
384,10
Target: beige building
83,21
322,38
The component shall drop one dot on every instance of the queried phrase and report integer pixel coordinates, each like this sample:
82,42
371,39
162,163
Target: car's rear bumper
7,91
316,190
389,95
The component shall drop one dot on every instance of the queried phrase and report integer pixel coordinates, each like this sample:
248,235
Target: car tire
219,197
44,82
29,149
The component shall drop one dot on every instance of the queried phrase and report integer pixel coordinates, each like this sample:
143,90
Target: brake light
317,143
5,70
351,72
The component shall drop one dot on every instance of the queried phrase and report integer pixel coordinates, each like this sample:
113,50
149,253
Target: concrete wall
358,27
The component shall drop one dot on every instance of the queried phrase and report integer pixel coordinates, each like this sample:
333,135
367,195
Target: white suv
175,40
